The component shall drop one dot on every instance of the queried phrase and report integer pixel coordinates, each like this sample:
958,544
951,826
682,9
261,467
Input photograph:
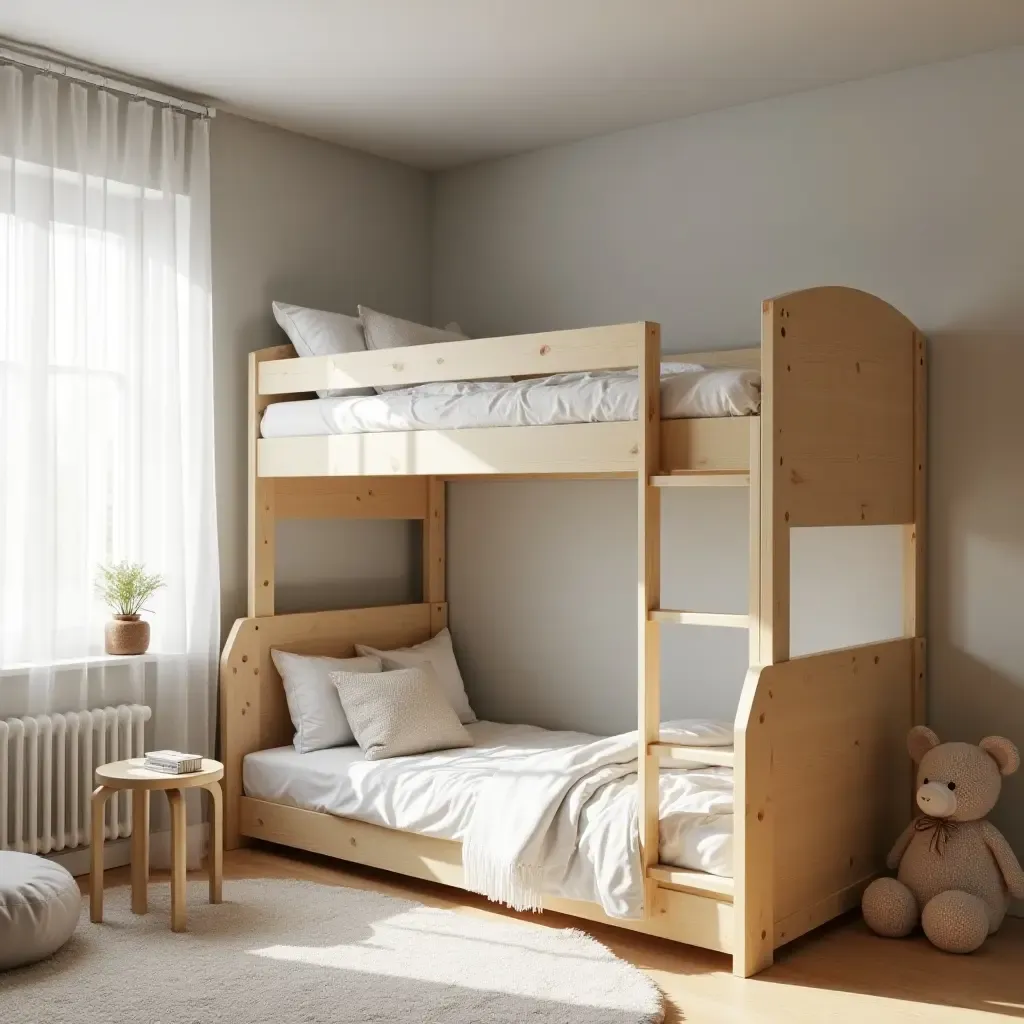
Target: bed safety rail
521,355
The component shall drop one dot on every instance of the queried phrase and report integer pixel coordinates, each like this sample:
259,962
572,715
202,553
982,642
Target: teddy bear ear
1003,752
920,740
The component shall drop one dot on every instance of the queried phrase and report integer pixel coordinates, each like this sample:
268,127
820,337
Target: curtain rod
54,67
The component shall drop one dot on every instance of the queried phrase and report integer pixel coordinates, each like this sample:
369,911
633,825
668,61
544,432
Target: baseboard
117,853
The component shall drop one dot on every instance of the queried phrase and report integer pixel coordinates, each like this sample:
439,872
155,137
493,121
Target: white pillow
437,651
315,332
313,701
398,713
384,332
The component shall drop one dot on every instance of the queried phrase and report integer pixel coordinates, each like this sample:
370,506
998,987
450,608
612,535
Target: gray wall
306,222
908,186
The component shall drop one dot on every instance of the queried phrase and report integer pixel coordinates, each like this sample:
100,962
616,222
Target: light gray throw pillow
401,712
312,697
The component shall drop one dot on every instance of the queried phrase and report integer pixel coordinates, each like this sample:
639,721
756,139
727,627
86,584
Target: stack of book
173,762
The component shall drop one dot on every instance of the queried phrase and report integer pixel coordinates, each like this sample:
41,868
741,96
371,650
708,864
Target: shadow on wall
976,547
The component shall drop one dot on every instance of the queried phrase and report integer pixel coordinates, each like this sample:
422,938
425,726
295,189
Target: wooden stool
132,775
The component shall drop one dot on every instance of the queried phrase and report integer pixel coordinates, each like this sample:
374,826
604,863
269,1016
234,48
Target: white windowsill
86,662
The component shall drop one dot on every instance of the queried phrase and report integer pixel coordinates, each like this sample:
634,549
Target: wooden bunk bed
819,759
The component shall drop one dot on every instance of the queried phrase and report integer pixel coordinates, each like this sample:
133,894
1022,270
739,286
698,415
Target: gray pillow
401,712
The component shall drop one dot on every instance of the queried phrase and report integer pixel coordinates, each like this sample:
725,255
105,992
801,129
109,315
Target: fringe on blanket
516,885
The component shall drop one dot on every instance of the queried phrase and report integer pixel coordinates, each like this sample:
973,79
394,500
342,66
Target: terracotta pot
126,634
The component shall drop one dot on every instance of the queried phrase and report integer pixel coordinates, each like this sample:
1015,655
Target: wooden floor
839,974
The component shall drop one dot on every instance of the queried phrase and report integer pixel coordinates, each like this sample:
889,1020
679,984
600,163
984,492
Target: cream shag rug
281,952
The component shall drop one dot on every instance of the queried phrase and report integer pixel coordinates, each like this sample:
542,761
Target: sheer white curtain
106,418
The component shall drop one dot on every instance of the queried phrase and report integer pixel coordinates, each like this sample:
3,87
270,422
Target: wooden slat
668,752
570,451
331,497
589,348
649,597
702,480
698,920
705,445
668,616
693,881
261,513
572,448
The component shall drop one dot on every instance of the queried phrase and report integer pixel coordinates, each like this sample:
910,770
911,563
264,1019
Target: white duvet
437,794
687,392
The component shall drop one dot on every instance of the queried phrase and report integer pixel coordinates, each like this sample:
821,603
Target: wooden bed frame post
262,512
649,597
434,562
754,841
914,582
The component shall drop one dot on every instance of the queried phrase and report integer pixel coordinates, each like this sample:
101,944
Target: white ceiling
437,83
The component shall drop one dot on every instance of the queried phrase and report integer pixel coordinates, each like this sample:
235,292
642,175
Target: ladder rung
668,752
719,479
693,881
680,618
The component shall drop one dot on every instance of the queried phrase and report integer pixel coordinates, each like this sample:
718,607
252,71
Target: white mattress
687,392
434,794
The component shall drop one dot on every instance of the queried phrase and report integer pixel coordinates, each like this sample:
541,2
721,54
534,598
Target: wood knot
760,815
352,841
545,349
635,450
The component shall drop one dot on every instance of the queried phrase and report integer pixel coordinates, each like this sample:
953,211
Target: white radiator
46,775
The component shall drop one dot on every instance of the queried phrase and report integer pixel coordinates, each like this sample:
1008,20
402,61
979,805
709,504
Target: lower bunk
591,836
819,778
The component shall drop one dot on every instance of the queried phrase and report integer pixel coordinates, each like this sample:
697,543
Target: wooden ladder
654,751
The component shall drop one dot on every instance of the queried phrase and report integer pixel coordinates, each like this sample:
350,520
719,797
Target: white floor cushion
39,907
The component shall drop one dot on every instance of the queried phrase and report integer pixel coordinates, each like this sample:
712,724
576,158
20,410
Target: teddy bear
956,872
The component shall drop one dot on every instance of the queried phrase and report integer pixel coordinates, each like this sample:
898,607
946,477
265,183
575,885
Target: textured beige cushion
399,712
39,905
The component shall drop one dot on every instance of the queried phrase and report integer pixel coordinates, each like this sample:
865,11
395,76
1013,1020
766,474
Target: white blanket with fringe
523,835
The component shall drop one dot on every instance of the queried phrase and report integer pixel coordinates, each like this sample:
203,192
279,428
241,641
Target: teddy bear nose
936,799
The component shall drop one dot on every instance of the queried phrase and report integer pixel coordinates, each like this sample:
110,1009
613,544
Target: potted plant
126,587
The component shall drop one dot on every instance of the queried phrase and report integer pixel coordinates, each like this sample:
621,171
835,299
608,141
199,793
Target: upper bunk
835,363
